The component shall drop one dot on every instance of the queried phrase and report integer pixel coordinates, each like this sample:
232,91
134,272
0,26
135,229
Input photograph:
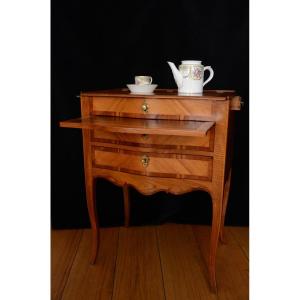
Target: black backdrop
103,44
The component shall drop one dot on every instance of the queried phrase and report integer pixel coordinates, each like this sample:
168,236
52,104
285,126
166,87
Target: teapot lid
191,62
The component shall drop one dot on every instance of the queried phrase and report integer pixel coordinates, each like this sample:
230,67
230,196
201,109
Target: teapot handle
211,74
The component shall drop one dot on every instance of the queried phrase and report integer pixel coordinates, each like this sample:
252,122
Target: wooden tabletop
164,93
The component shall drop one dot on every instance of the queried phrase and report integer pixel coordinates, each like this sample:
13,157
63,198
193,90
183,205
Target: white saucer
190,94
146,89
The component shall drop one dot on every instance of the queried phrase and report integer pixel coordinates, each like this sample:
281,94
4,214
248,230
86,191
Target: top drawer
156,108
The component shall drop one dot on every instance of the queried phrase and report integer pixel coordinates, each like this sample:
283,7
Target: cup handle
211,74
150,80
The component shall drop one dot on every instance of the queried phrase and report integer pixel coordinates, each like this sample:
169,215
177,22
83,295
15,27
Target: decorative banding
152,174
185,166
153,184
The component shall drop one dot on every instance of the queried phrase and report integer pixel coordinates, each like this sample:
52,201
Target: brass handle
145,107
145,160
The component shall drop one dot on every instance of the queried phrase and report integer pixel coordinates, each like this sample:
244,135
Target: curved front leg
126,204
215,230
224,206
92,209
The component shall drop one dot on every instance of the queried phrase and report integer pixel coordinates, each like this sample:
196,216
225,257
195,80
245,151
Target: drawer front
153,164
172,109
204,143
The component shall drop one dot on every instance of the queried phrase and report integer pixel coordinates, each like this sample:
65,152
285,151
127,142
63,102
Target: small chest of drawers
161,142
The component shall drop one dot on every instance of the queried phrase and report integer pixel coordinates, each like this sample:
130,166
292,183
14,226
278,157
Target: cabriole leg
224,206
92,209
215,230
126,204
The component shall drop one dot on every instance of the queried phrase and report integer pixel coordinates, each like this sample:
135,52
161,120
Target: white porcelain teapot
189,77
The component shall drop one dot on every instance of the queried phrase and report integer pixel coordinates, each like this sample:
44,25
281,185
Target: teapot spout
177,75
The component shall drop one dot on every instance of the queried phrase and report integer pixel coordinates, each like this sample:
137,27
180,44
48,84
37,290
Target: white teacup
143,80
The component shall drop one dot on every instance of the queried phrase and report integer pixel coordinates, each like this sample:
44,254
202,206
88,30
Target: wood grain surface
138,273
185,275
152,184
159,165
241,235
154,149
168,109
232,264
64,245
88,281
140,126
156,141
158,262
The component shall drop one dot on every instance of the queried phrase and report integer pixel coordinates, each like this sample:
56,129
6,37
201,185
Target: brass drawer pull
145,107
145,160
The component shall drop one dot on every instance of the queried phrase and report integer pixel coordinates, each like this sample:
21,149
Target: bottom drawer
153,164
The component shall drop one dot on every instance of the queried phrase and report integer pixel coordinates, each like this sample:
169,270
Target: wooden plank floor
149,262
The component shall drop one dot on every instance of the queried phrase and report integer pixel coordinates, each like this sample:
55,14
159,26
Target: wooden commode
161,142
